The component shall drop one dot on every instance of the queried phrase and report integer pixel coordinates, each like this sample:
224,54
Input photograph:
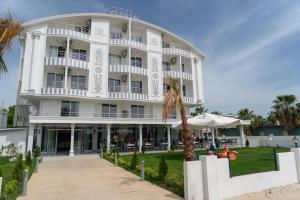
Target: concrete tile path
87,178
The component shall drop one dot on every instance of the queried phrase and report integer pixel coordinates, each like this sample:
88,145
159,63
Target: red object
210,152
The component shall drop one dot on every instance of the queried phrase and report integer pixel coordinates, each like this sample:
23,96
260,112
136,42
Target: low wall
17,136
211,175
282,141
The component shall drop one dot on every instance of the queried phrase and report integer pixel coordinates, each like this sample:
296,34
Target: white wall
282,141
17,136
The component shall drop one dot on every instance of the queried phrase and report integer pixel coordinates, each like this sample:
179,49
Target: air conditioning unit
173,60
124,53
124,28
124,78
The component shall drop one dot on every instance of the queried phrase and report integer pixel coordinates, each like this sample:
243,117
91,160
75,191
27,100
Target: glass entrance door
52,141
78,141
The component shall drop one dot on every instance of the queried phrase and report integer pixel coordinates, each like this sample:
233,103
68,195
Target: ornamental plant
247,143
37,152
162,169
28,160
134,161
18,171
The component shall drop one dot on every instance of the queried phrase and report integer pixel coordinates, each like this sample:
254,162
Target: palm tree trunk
187,138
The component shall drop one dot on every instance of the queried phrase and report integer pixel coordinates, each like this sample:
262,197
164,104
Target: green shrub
134,161
162,169
176,181
143,148
9,188
1,173
37,152
28,160
247,143
217,144
116,151
151,173
172,147
19,168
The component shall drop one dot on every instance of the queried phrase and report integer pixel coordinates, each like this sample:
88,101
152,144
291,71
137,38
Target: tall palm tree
199,110
246,114
9,29
172,101
285,109
216,112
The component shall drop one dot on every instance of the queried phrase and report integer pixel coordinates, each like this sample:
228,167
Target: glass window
109,110
137,62
53,51
78,54
166,66
69,108
78,82
136,86
166,45
114,59
114,85
55,80
184,90
137,111
114,35
61,52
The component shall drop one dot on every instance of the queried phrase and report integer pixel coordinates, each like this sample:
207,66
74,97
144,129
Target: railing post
142,170
116,159
37,162
25,181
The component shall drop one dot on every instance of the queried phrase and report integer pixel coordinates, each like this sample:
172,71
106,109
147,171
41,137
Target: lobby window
137,62
137,111
184,90
78,82
56,51
69,108
78,54
114,85
136,87
109,110
55,80
166,66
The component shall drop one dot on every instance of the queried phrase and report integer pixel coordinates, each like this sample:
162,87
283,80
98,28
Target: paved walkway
87,178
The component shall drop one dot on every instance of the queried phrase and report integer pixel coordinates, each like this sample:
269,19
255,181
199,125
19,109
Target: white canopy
207,120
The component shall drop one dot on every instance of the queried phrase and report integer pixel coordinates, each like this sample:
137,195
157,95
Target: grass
249,160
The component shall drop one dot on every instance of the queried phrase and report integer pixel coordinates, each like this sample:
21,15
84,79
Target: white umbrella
208,120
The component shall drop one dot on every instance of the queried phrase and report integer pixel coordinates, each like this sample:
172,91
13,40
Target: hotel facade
95,79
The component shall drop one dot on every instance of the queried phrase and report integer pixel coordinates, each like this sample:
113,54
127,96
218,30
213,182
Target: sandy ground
290,192
89,177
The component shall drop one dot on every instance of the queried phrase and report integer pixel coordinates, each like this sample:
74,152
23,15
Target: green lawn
249,160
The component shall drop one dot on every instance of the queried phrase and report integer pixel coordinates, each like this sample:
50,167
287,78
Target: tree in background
216,112
10,116
172,101
9,29
246,114
286,111
199,110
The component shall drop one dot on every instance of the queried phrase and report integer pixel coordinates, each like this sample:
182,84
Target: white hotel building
95,79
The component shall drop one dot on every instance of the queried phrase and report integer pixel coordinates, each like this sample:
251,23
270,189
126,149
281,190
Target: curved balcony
127,95
63,92
123,67
172,74
62,61
187,76
119,39
177,51
69,30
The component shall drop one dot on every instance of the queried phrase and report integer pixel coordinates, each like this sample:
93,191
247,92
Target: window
78,82
165,45
166,66
69,108
78,54
136,38
136,86
137,111
109,110
114,59
56,51
166,87
114,35
114,85
55,80
83,29
184,90
182,67
137,62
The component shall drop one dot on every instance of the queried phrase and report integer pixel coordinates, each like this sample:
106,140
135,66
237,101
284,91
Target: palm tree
9,29
216,112
285,109
172,101
246,114
199,110
271,119
257,122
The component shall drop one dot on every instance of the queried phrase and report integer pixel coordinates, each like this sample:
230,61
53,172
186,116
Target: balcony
172,74
122,92
120,39
172,49
75,60
69,30
187,76
56,88
123,67
188,100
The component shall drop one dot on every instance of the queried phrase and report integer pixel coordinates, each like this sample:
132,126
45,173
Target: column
169,137
30,134
34,56
72,140
181,82
66,69
108,126
95,139
129,74
242,135
213,136
141,137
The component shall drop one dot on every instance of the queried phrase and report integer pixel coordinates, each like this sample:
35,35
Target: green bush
217,144
172,147
9,188
1,172
162,169
116,151
28,160
151,173
37,152
247,143
143,148
18,171
134,161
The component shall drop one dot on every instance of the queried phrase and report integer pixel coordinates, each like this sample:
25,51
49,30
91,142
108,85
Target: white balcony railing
69,30
63,91
170,48
187,76
172,74
62,61
123,40
127,95
123,67
187,99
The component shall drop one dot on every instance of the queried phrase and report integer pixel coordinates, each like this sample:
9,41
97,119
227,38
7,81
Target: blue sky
252,47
